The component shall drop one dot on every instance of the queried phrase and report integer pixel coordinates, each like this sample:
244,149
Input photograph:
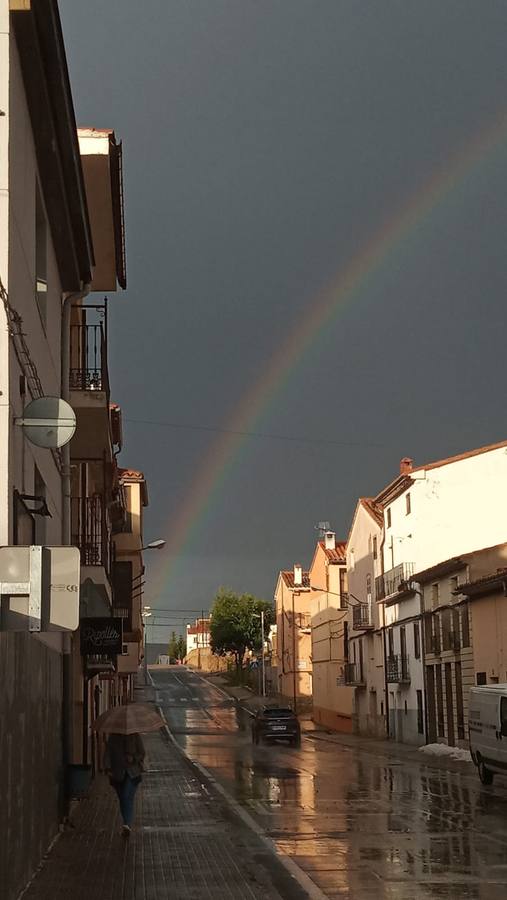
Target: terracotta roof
467,455
337,554
403,481
288,577
375,509
131,473
493,580
442,568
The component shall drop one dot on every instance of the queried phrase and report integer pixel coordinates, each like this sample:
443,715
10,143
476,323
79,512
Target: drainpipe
67,697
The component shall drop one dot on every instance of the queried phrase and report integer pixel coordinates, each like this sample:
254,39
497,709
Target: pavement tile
182,846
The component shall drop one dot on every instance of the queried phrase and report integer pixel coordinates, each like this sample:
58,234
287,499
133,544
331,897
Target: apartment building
332,696
292,602
61,240
364,670
428,520
464,636
46,257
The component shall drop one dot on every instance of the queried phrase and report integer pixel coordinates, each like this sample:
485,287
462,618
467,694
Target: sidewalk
184,844
391,749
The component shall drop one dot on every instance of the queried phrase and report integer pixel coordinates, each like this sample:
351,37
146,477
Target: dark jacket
124,756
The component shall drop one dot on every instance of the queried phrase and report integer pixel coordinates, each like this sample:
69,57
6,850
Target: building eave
39,39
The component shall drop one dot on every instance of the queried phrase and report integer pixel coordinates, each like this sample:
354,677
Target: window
406,708
481,678
368,589
446,620
465,627
417,641
435,593
408,505
454,583
41,254
388,516
381,707
343,588
375,547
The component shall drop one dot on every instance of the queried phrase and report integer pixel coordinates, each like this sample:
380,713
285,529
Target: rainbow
261,396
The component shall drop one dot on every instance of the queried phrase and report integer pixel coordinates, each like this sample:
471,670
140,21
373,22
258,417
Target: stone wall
31,780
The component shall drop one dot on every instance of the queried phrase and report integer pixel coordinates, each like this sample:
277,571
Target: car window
278,713
503,712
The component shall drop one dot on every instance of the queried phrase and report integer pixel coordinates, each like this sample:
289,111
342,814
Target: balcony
353,674
395,581
397,670
89,379
362,618
89,531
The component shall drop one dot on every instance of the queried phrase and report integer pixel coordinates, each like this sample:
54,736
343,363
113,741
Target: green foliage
177,648
182,648
236,624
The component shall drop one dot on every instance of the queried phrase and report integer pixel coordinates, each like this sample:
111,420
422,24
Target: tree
236,624
177,648
182,648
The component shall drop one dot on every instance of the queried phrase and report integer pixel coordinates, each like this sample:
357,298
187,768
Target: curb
217,687
305,883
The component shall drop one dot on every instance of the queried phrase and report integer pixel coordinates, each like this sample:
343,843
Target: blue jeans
126,791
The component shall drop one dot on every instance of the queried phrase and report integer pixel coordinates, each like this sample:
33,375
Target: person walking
124,763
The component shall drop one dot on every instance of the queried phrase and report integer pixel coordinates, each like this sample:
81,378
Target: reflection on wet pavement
362,825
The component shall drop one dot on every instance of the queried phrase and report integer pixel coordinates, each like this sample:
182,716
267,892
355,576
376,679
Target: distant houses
384,633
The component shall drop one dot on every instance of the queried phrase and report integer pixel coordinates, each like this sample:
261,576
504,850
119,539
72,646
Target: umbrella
133,718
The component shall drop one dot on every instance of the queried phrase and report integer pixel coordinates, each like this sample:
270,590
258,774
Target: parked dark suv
275,722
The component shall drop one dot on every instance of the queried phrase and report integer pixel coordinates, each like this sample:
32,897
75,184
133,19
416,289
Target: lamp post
145,615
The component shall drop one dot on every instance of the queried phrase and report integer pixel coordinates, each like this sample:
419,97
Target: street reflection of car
276,723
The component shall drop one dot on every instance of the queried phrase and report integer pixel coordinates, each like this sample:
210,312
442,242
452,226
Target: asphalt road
362,825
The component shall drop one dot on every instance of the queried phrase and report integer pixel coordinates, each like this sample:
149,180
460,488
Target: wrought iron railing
397,669
89,530
88,350
394,581
353,673
361,616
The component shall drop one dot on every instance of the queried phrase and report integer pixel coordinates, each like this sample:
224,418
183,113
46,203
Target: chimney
406,465
298,575
330,540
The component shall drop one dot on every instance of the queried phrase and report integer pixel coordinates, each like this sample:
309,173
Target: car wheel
486,775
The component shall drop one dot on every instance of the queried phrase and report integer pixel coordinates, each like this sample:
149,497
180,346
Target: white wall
369,703
455,508
44,341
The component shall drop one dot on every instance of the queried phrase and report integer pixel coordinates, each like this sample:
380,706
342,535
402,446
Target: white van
487,728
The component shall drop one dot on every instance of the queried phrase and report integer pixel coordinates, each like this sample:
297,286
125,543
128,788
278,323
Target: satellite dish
48,422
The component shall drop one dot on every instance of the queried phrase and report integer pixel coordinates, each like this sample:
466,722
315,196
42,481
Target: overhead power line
253,434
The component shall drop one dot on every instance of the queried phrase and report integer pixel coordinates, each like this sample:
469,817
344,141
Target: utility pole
262,658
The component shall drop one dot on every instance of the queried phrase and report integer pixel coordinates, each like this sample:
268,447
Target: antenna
322,527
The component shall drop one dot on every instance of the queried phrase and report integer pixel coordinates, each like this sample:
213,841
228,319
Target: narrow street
363,826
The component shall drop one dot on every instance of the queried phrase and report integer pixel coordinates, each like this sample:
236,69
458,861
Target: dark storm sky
265,142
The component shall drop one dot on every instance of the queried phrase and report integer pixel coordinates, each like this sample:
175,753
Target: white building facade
365,670
431,513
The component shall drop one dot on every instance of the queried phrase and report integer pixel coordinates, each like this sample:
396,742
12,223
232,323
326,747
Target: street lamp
261,617
154,545
145,615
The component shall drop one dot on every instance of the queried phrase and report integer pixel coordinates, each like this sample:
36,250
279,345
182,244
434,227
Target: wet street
362,825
